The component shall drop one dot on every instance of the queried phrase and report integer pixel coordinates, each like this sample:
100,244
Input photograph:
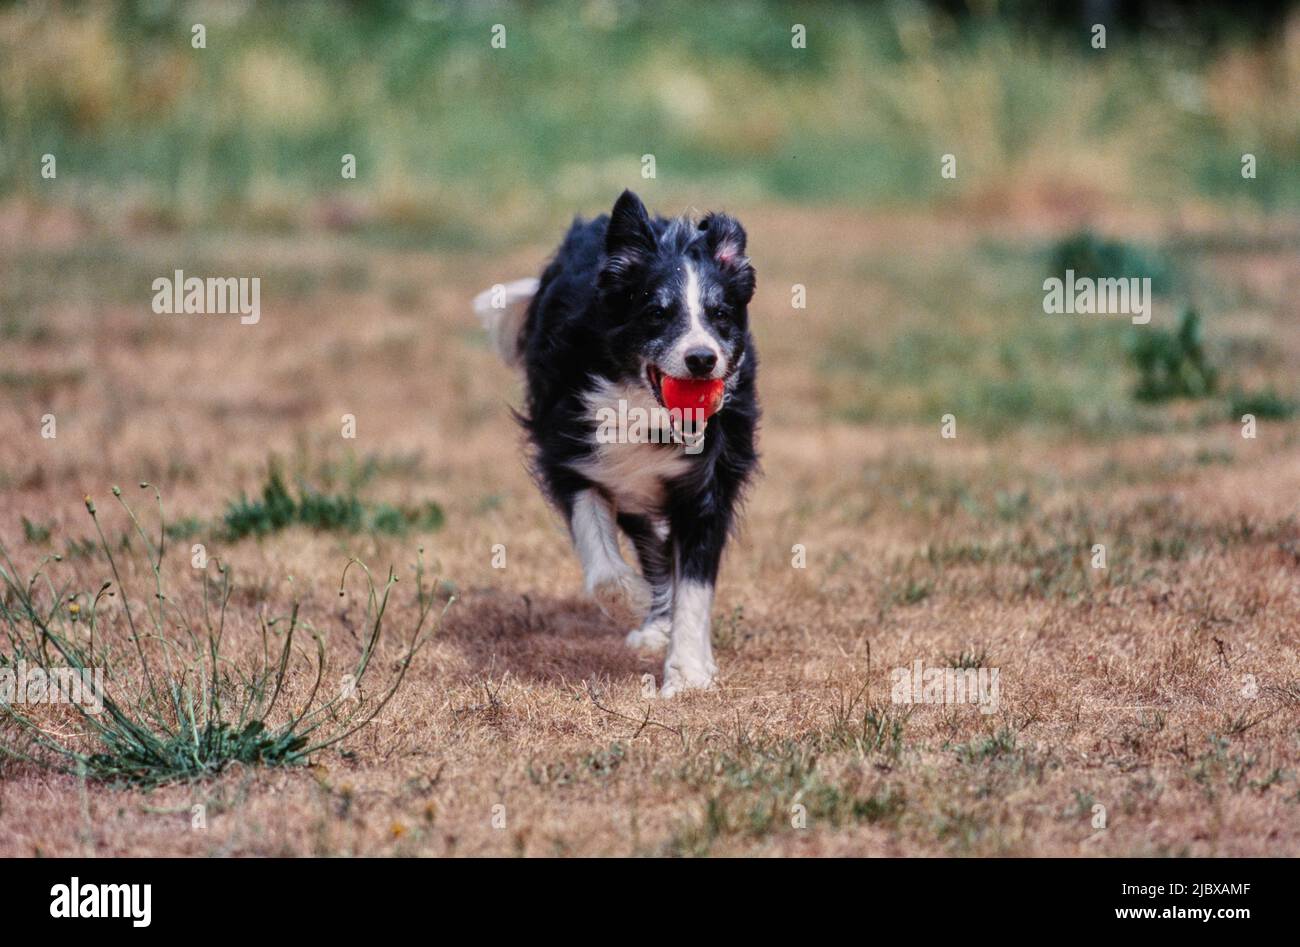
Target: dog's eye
717,313
655,313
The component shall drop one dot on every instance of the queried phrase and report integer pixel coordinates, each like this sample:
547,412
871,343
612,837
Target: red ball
690,394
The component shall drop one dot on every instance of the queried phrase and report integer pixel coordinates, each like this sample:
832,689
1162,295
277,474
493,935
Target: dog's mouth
695,397
655,379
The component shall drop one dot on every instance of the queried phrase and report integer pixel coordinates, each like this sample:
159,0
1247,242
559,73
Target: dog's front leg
618,590
654,550
698,538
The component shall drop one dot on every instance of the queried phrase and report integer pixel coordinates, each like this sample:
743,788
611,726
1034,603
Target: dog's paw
623,596
652,636
680,678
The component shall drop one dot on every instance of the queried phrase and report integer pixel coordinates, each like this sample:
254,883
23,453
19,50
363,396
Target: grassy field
1123,687
1164,688
460,143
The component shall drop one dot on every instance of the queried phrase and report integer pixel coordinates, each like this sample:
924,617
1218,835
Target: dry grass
1121,688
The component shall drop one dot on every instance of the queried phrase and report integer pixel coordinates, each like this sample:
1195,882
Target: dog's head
677,293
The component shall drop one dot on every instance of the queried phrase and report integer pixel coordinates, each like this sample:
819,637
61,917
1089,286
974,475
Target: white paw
623,596
652,636
678,678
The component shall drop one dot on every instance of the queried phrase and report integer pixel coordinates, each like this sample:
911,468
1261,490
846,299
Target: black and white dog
628,301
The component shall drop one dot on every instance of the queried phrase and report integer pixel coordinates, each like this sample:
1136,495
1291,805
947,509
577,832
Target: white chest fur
635,455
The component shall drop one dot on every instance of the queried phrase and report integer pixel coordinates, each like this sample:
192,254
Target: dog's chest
633,454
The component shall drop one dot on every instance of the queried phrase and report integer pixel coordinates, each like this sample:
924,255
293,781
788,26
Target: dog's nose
701,361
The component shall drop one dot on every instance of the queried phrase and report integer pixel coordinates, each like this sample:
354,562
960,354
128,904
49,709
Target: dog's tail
502,309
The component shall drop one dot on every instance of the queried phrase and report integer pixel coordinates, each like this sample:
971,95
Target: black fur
609,302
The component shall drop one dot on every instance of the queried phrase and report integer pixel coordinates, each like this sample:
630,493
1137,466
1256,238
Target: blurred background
924,292
457,141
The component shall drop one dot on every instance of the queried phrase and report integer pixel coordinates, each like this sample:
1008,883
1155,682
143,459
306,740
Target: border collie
629,306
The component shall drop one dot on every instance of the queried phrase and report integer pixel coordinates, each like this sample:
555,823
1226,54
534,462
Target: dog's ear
725,239
629,241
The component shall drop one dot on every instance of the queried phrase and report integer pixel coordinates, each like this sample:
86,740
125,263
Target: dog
628,304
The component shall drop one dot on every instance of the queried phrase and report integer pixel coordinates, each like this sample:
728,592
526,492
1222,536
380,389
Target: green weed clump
277,508
1266,405
167,703
1095,257
1172,364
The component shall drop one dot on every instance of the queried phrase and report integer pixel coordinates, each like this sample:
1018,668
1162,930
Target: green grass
865,731
759,788
968,659
1093,256
983,350
277,508
980,349
35,533
1264,405
1172,364
175,706
251,130
996,746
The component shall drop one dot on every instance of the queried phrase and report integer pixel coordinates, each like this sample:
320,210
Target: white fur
616,586
654,635
502,309
594,538
697,334
690,653
633,474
